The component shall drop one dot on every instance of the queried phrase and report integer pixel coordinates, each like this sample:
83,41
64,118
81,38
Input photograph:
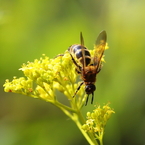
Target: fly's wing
99,49
82,49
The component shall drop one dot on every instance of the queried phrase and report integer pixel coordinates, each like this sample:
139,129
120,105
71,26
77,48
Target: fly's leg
87,100
92,98
58,55
78,66
78,89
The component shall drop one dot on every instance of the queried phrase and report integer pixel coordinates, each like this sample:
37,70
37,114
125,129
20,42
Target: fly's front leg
58,55
78,88
78,66
98,70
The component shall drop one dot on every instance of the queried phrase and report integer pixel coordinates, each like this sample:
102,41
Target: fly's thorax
89,74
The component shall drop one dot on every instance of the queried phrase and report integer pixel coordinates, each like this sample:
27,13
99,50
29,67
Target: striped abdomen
76,50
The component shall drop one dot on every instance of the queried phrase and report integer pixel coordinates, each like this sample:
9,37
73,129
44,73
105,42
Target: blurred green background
31,28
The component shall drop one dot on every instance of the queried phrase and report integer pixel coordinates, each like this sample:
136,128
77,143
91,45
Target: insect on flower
88,66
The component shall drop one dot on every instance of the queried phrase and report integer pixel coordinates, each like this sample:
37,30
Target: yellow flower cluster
44,76
97,120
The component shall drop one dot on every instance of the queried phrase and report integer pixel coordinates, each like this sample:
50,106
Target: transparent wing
99,49
82,49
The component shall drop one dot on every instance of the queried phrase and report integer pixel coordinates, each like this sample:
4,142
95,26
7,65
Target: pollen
43,77
96,121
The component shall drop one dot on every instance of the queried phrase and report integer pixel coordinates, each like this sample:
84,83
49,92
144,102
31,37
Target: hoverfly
89,66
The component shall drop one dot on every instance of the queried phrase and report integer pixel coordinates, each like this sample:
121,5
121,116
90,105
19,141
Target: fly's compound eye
90,88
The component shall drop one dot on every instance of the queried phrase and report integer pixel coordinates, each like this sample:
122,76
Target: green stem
74,116
90,140
66,112
56,103
91,135
100,137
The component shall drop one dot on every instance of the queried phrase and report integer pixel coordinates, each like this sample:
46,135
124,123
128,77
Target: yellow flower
44,76
96,121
